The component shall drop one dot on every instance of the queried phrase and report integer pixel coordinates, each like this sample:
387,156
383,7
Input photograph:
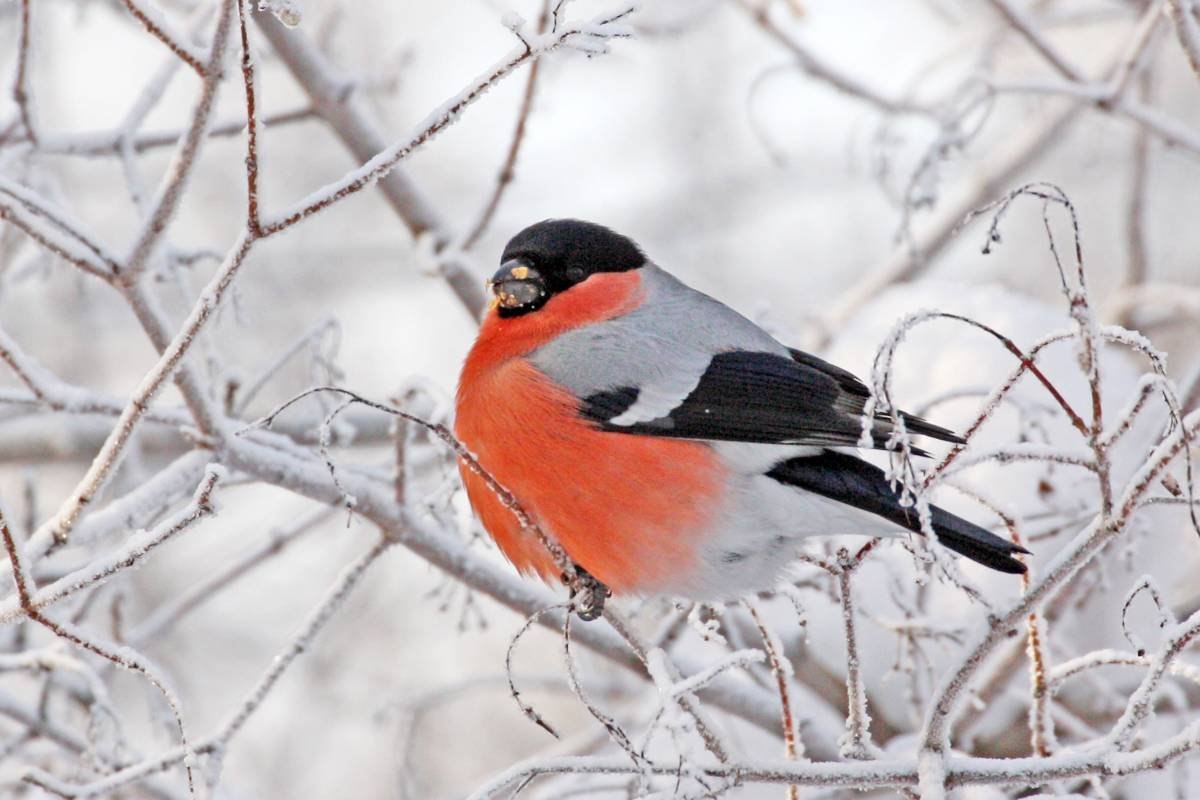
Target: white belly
762,526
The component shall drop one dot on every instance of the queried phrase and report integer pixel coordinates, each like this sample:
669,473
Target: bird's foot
587,594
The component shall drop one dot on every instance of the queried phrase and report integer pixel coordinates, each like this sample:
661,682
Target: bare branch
1183,14
160,29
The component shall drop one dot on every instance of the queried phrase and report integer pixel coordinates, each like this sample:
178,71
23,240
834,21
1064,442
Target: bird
667,443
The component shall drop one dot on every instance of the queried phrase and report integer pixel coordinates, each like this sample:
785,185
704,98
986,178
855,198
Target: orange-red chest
631,510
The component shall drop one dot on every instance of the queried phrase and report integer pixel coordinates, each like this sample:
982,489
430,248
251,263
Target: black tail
856,483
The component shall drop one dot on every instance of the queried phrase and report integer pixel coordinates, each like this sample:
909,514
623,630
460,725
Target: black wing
854,482
746,396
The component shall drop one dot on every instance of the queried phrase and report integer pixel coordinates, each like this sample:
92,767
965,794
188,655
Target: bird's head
550,257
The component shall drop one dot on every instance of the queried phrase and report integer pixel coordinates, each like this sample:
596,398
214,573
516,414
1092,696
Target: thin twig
791,745
253,223
20,89
159,28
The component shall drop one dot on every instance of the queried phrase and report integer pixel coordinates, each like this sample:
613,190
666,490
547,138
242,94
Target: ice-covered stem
856,744
123,657
253,222
158,27
780,669
1041,726
505,177
328,327
1183,14
216,744
841,82
1147,386
1165,617
20,88
1014,154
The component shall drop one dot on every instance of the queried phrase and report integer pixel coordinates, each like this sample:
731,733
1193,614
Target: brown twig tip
526,709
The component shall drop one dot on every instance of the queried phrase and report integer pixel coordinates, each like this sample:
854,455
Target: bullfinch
669,444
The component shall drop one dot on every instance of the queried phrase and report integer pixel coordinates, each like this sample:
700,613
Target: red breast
629,509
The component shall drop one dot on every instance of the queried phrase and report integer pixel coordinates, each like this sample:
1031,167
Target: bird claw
587,594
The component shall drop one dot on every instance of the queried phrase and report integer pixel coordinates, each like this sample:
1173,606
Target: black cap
567,251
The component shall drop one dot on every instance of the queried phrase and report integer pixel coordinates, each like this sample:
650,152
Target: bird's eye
575,274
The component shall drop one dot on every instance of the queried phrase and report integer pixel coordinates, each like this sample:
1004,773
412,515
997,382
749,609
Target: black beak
517,286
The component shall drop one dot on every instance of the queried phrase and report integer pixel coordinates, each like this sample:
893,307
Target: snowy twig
253,223
856,744
20,89
792,746
154,22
